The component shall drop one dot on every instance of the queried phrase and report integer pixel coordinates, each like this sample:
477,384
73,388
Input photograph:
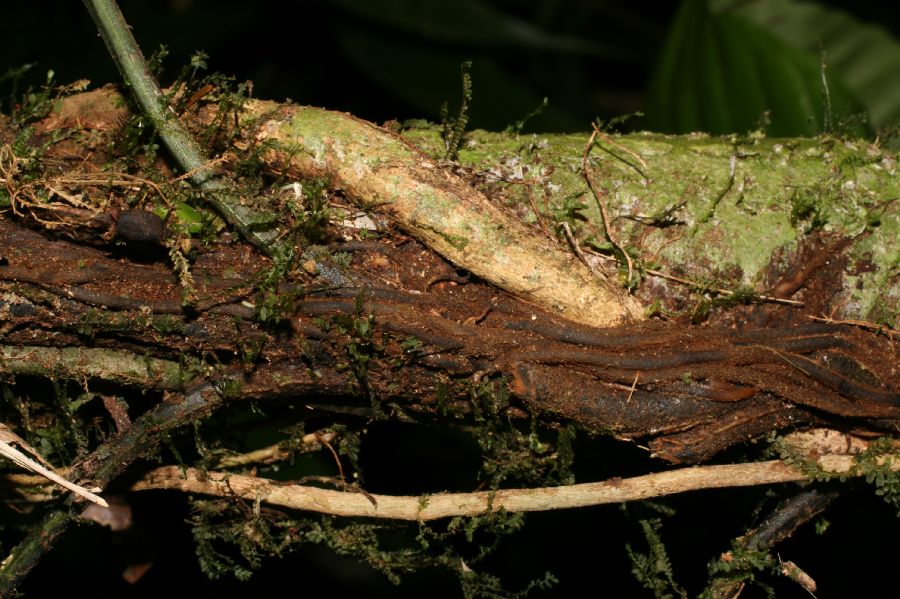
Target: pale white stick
24,461
444,505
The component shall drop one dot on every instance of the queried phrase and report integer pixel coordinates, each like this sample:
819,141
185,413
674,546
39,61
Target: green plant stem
186,151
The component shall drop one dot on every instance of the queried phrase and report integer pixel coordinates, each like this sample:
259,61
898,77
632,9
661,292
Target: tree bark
395,327
692,389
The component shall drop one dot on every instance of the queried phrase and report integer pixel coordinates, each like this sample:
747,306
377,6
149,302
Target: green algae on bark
728,212
83,363
375,167
732,212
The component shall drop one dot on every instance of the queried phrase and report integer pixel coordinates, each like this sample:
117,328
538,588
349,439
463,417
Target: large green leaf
865,56
720,73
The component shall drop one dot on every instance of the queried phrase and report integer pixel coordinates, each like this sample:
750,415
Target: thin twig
701,286
634,154
537,214
225,484
598,196
321,439
198,169
575,247
863,324
276,452
720,290
631,391
23,461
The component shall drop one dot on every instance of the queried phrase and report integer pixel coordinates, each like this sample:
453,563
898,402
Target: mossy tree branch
739,381
115,366
787,517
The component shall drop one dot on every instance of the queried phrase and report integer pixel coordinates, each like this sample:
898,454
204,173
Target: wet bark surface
431,333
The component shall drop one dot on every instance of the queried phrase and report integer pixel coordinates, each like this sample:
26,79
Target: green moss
233,538
273,304
739,566
695,215
457,241
454,128
876,464
516,454
653,568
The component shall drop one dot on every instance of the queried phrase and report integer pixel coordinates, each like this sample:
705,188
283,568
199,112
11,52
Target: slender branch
575,247
186,151
870,326
265,455
780,524
432,507
788,517
756,296
601,204
277,452
111,365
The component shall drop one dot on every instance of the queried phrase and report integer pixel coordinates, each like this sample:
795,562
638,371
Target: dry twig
7,437
598,196
864,324
432,507
575,247
719,290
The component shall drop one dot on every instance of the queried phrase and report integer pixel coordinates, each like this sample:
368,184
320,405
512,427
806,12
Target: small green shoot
516,128
455,128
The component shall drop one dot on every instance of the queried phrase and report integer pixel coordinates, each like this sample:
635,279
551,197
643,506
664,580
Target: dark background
591,59
390,59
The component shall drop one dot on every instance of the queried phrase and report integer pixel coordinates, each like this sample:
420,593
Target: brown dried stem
601,204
